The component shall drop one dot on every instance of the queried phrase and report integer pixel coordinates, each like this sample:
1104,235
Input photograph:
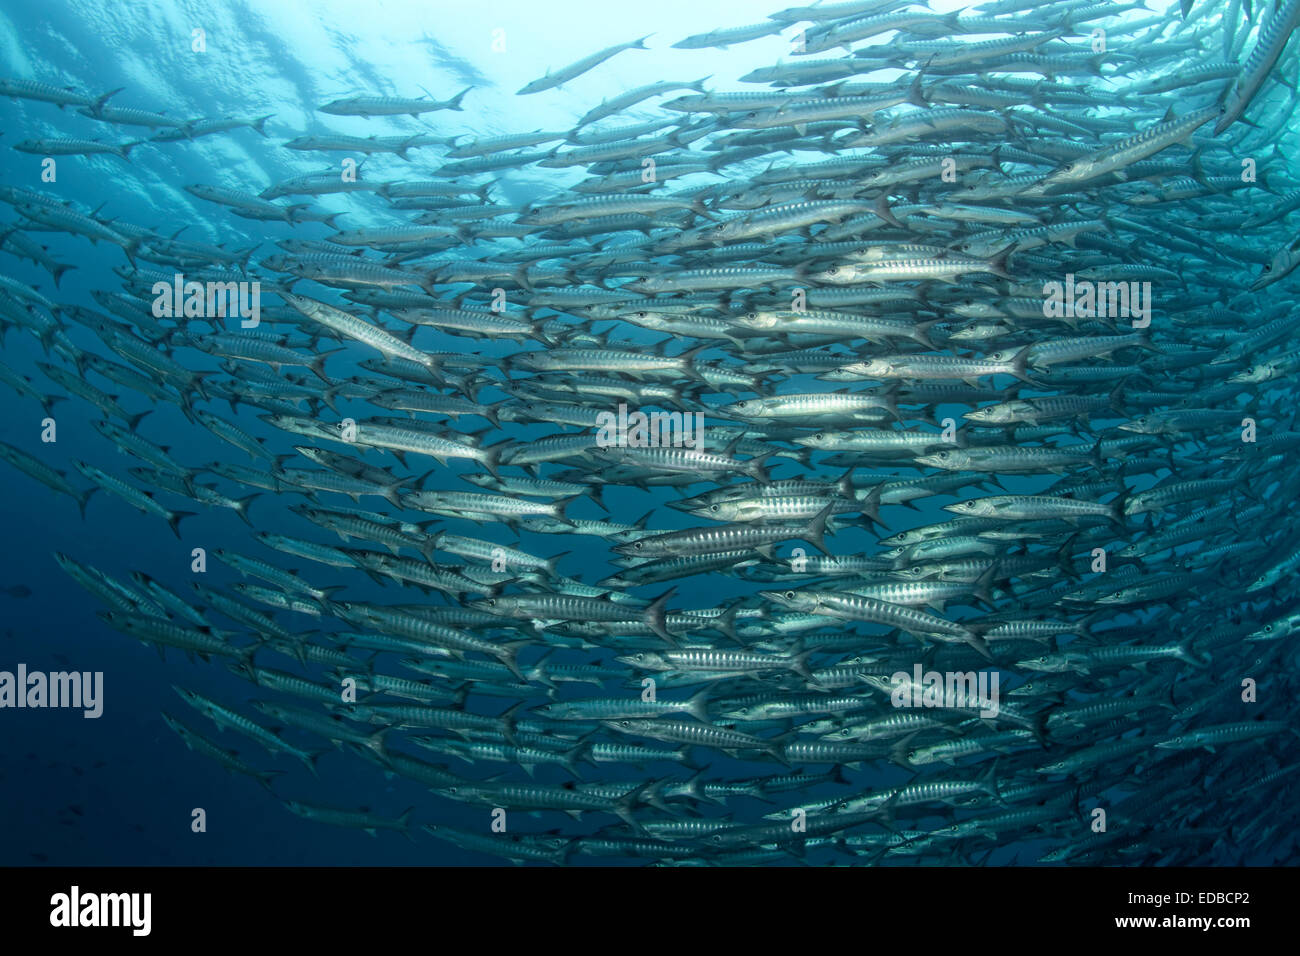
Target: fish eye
492,602
638,546
713,507
789,595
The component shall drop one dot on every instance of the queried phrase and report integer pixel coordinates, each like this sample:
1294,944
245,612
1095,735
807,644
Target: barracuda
857,608
1277,30
367,106
1122,533
1122,155
556,607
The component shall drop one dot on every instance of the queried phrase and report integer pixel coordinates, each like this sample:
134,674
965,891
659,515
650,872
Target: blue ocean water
120,789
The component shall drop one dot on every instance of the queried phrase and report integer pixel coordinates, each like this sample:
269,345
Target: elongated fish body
74,147
1272,40
574,70
367,106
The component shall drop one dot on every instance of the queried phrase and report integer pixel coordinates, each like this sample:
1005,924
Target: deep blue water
120,789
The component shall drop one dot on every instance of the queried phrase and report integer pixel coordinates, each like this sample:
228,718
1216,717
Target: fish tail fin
977,642
726,623
1186,655
624,806
776,747
815,532
800,666
915,95
491,459
656,616
84,498
47,401
375,743
57,271
199,378
998,264
317,366
508,654
870,505
241,506
174,520
561,505
698,706
756,470
988,781
98,105
1020,364
1065,556
597,494
898,753
983,586
1119,509
309,759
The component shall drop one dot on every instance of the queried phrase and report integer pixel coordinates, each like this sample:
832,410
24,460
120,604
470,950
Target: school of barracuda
836,265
